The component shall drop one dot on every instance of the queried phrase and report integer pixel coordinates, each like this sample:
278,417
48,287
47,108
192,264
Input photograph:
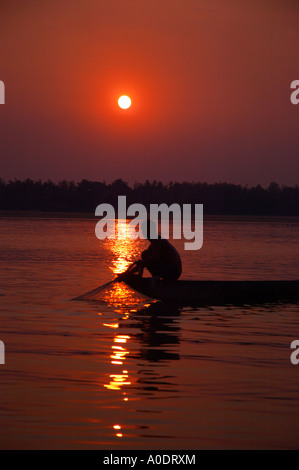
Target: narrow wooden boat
215,292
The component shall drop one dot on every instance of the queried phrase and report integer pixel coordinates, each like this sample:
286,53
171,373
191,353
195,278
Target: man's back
165,258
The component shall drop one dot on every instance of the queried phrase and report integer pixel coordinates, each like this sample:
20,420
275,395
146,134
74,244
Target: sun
124,102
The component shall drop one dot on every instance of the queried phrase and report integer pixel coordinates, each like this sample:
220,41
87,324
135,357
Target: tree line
84,196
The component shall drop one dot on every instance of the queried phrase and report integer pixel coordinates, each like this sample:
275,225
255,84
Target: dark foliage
220,198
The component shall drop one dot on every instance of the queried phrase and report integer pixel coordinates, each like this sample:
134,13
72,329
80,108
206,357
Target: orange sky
209,82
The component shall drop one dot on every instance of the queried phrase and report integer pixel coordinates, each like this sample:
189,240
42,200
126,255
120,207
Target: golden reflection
118,295
111,325
123,300
120,340
117,427
118,357
119,353
124,251
124,376
117,381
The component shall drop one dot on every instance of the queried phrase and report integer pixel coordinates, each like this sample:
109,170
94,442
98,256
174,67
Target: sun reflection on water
119,380
121,298
124,251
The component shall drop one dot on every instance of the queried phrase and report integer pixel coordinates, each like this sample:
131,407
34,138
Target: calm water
128,372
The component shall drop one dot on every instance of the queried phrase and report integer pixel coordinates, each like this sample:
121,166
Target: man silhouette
161,258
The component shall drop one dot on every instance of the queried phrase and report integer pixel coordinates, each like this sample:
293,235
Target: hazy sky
209,81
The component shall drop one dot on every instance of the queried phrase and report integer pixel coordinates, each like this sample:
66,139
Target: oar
92,293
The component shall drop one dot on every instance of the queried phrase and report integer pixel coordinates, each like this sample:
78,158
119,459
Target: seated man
161,258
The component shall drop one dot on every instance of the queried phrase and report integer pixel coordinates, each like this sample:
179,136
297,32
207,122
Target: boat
186,292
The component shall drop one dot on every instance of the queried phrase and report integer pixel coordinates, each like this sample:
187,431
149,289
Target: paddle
94,292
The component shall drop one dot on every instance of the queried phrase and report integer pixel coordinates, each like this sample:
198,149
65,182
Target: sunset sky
209,83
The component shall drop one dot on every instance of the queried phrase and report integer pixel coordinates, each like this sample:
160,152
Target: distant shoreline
27,214
47,199
45,214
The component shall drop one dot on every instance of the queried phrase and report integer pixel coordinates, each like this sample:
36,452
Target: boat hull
215,292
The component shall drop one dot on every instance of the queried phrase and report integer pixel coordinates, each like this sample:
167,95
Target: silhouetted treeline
220,198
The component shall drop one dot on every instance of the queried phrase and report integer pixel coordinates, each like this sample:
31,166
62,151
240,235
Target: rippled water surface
129,372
